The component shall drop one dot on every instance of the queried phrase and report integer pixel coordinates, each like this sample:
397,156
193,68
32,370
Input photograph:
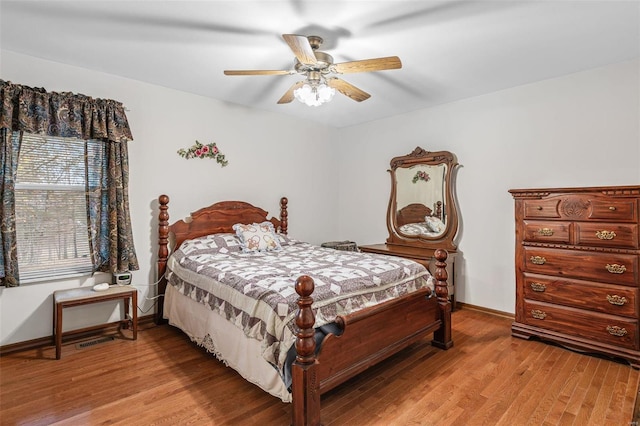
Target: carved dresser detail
576,262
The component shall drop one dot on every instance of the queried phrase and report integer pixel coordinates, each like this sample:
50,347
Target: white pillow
434,224
257,237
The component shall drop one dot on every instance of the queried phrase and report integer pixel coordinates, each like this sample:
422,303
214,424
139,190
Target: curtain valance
63,114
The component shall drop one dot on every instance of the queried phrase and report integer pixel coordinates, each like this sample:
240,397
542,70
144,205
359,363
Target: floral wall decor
204,151
420,175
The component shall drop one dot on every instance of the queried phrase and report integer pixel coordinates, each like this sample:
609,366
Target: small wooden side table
87,295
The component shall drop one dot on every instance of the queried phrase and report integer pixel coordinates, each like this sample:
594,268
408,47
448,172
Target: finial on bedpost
284,223
305,343
442,336
163,251
305,389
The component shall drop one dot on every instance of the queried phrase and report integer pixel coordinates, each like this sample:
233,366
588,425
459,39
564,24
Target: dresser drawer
607,234
547,231
540,209
614,210
601,267
605,298
582,208
614,330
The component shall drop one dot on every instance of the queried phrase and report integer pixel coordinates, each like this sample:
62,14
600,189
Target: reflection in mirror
420,200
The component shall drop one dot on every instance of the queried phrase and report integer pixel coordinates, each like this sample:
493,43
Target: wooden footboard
368,337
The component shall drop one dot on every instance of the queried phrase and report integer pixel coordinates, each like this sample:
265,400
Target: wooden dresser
577,252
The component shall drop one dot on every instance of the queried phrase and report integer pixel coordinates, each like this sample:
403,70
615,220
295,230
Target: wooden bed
368,336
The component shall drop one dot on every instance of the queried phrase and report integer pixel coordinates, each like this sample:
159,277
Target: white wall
577,130
270,156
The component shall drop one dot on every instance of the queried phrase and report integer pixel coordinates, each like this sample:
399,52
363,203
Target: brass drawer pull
539,260
539,287
538,314
539,207
612,208
616,269
616,300
614,330
605,235
545,232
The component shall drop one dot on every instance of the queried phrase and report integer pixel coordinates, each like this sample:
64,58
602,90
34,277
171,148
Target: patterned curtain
9,275
108,206
34,110
65,114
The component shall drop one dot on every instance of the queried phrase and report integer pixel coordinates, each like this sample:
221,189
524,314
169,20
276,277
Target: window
51,212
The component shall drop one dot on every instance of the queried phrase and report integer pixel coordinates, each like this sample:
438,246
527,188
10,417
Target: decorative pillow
214,243
257,237
434,224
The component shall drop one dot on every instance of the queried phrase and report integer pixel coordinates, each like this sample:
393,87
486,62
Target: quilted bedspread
255,291
418,229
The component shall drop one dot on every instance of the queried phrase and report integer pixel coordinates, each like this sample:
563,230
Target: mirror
422,210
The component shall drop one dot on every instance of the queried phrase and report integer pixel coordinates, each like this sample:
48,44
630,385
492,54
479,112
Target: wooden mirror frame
445,240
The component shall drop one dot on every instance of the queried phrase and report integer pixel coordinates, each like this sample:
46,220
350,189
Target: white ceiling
450,50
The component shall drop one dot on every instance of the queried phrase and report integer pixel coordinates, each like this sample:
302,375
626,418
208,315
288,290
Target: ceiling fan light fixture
314,94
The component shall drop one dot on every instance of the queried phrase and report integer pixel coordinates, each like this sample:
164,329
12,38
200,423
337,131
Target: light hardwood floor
487,378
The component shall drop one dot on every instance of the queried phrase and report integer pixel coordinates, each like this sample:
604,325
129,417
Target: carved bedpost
442,336
163,253
284,223
439,210
305,387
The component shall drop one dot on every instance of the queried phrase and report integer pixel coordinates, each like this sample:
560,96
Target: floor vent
93,342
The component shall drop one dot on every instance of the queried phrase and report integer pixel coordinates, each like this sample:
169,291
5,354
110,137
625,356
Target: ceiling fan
319,86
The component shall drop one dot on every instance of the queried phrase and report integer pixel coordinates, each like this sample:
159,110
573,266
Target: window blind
51,214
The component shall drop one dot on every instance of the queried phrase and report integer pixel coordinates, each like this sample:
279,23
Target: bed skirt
223,339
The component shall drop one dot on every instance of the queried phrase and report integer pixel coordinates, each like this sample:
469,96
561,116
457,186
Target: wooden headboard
412,213
217,218
416,212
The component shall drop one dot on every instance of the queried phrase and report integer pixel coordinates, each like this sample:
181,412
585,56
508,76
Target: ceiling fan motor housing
315,41
324,60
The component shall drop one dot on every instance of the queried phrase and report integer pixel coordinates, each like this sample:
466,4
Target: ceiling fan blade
366,65
257,72
288,96
301,48
348,89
